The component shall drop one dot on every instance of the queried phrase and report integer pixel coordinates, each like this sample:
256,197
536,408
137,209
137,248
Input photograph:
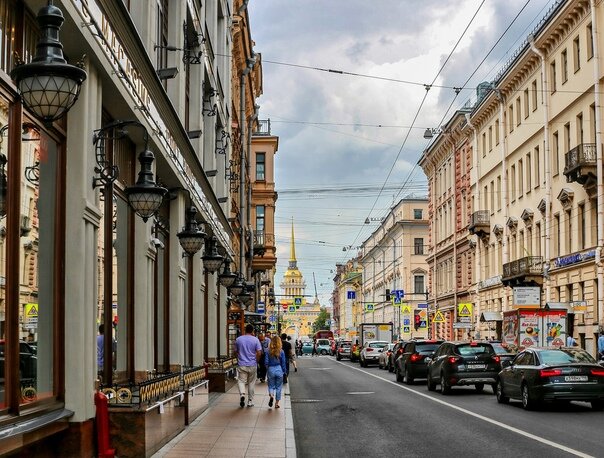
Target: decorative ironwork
527,266
222,142
479,223
209,108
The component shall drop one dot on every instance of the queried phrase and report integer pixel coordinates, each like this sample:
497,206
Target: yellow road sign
438,317
406,309
464,309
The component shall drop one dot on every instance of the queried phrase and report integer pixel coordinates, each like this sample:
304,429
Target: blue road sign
406,322
272,318
297,301
351,294
422,306
398,294
260,307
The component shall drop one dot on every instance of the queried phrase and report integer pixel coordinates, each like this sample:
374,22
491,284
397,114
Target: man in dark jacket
287,349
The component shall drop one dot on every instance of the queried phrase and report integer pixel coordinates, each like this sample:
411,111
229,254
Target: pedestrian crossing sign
438,317
405,309
292,309
464,310
297,301
406,329
369,307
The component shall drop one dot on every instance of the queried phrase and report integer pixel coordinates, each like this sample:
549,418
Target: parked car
343,349
505,353
28,361
385,356
552,374
306,348
411,364
397,351
463,363
371,352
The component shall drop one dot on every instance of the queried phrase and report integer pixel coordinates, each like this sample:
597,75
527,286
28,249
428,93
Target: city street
341,409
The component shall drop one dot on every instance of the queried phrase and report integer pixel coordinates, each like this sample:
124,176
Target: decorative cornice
527,216
542,206
566,197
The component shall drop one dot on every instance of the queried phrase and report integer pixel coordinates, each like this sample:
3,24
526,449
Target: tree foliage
321,321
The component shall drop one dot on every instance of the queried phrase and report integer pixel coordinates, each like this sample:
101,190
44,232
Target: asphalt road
343,410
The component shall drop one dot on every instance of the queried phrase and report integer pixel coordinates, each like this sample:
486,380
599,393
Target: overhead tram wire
428,87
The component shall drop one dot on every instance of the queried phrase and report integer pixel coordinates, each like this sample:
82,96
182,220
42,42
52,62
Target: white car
383,359
370,352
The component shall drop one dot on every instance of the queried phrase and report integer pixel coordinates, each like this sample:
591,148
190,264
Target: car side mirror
506,364
428,359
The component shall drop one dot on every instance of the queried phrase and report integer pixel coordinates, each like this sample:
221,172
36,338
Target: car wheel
528,403
430,383
380,365
338,358
479,387
445,388
323,352
362,362
597,405
390,368
408,379
501,398
399,377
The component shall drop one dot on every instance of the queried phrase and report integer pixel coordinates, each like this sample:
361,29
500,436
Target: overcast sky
335,166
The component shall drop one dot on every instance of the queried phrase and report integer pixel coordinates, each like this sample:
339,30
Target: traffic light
387,295
417,319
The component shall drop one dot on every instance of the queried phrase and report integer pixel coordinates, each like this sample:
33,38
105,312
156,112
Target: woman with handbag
274,360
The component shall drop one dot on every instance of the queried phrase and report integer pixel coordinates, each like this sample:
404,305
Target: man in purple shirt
248,351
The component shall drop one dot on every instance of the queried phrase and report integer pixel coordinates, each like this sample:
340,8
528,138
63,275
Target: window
564,57
497,131
417,213
490,138
484,144
162,36
418,245
499,193
511,118
556,154
418,284
260,166
576,54
526,103
492,197
518,112
581,222
556,235
569,231
260,218
536,167
528,173
520,178
538,238
552,75
513,183
580,129
566,137
590,42
592,117
534,92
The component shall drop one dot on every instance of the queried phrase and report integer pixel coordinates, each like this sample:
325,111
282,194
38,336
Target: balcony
580,166
527,271
264,127
479,223
263,251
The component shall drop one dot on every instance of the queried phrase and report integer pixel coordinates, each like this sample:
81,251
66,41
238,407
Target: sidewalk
225,429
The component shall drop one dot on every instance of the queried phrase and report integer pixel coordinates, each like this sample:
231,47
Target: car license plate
575,378
477,366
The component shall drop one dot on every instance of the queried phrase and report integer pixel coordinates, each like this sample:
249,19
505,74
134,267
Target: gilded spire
292,248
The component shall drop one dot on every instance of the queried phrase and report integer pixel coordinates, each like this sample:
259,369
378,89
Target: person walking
601,344
570,341
292,354
287,349
248,351
264,343
314,348
299,347
276,368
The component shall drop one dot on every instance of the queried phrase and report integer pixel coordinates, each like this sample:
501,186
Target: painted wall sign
574,258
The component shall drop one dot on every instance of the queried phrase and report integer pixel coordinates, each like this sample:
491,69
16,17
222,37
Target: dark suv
463,363
411,363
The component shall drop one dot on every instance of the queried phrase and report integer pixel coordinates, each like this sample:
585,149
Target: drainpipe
242,159
504,188
475,178
249,189
600,167
548,174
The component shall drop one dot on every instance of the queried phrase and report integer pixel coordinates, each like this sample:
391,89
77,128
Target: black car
411,364
552,374
343,348
28,362
397,351
505,353
463,363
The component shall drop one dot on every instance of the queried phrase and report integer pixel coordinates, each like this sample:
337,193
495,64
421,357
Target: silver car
371,351
384,358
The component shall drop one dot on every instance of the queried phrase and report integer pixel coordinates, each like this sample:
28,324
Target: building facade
394,258
177,83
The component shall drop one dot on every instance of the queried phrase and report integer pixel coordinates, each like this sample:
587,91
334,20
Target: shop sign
574,258
493,281
527,296
579,306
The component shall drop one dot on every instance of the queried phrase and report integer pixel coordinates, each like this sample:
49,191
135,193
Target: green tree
321,321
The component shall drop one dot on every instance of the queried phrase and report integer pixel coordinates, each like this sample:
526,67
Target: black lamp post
48,85
191,237
227,278
3,185
212,259
237,287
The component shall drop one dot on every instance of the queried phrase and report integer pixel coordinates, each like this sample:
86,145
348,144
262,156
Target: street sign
260,307
272,318
369,307
405,308
351,294
292,308
422,306
31,314
297,301
407,322
462,325
438,317
464,310
406,329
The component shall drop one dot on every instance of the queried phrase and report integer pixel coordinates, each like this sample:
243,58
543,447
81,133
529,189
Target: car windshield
474,349
565,356
378,344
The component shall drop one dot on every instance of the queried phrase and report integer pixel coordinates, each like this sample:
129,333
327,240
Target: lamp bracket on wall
222,142
209,108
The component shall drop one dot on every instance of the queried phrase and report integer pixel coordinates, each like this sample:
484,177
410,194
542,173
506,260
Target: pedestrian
248,351
601,344
100,350
292,356
570,341
264,343
299,347
276,368
314,348
287,349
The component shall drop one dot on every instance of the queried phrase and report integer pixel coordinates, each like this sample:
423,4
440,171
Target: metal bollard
102,426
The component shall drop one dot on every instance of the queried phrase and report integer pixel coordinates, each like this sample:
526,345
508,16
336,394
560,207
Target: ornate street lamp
227,278
237,288
191,237
48,85
212,259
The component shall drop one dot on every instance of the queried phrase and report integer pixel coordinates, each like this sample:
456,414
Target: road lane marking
318,368
480,417
361,392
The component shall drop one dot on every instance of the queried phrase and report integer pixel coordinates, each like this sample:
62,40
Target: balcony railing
583,155
262,240
527,266
264,127
479,222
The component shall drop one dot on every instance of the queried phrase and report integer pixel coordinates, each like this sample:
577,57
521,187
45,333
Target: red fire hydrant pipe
102,426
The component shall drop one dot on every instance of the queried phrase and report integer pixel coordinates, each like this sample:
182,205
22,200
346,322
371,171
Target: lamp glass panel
48,96
191,244
227,280
212,264
145,203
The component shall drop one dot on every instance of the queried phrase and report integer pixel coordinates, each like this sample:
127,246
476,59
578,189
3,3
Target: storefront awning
490,316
